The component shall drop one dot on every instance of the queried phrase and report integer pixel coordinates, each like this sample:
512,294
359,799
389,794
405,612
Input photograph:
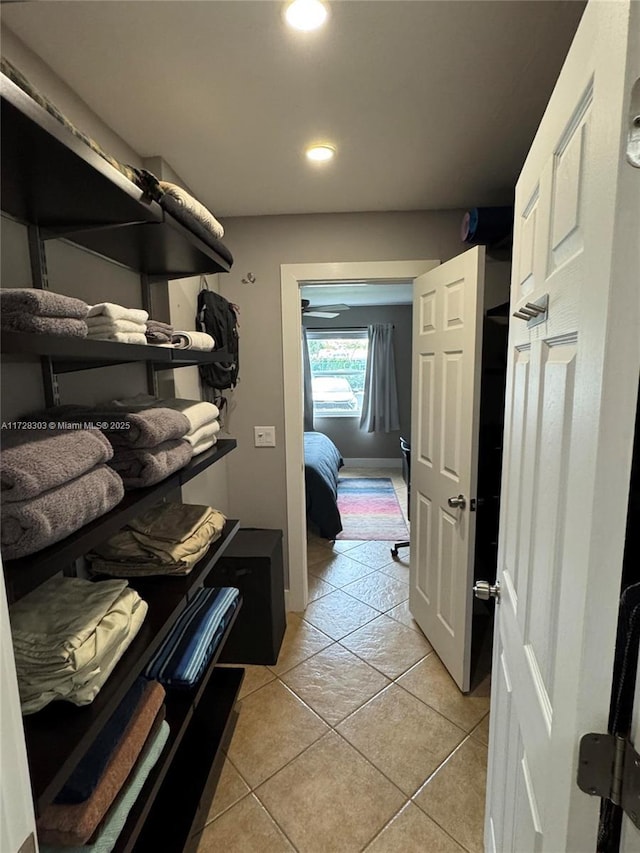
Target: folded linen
75,823
174,522
186,652
101,325
83,780
13,321
202,434
158,338
195,207
120,337
33,524
43,303
159,326
145,564
118,312
68,635
197,412
111,828
141,467
204,445
148,428
34,461
193,340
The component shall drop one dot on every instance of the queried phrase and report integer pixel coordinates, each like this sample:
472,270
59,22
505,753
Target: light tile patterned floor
357,739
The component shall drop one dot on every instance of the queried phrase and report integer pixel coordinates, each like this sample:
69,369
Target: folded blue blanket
186,652
82,782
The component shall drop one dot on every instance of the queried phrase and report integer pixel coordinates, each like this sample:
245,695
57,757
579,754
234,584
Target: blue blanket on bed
322,461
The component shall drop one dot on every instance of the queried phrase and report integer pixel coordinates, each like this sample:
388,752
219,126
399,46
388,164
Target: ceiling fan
328,312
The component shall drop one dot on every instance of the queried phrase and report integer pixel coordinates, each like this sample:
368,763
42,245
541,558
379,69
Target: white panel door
570,408
447,346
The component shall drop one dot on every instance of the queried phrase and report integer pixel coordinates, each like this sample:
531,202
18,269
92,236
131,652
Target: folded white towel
204,433
120,337
102,324
195,207
204,445
118,312
193,340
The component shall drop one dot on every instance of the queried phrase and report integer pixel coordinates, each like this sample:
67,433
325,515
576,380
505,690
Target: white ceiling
429,104
383,293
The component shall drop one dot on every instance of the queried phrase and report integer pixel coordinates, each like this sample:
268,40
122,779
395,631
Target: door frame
292,276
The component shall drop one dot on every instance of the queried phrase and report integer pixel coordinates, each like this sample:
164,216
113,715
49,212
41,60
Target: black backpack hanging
217,317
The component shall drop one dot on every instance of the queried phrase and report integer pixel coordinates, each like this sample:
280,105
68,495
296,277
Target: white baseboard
368,462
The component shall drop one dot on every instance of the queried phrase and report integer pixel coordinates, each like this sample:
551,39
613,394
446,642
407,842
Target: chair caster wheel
394,553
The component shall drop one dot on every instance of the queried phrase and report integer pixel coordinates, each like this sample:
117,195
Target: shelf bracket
53,232
40,281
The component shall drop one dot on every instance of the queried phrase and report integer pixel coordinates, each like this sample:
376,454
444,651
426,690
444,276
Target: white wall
260,245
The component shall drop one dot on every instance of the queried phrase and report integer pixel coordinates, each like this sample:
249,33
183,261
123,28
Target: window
338,362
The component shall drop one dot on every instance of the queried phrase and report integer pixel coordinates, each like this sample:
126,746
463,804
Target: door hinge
609,767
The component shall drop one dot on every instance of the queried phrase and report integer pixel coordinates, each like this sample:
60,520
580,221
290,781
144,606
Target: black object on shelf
55,180
26,573
58,736
253,563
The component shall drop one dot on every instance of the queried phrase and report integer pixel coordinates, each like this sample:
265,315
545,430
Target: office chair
405,447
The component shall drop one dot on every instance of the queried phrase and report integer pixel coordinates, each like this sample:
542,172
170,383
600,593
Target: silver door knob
457,503
484,590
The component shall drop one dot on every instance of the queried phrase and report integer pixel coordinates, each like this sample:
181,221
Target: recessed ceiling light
320,153
306,14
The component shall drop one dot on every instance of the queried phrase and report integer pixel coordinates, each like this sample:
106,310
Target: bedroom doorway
293,278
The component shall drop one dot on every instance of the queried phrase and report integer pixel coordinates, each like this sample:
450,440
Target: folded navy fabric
84,779
185,654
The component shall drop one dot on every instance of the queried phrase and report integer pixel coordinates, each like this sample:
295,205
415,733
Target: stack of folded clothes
187,651
204,425
101,778
68,635
159,332
110,322
41,311
51,484
168,539
193,340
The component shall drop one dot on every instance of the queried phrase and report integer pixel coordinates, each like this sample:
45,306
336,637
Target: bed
322,461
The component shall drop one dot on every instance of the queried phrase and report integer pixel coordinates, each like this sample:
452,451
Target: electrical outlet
264,436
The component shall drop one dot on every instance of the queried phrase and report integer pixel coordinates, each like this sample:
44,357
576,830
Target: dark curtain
380,402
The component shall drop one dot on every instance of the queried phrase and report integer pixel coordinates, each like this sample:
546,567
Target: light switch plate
264,436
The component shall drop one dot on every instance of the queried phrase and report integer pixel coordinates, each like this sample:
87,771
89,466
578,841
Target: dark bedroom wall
345,432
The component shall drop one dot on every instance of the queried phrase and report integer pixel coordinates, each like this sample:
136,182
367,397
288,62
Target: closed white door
447,347
570,407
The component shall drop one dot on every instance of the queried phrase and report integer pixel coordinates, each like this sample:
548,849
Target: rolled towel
118,312
30,525
76,823
64,326
203,433
101,325
145,467
122,337
32,462
44,303
195,207
158,338
193,340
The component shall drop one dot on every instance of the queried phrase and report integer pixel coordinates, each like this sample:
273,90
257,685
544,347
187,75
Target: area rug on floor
370,510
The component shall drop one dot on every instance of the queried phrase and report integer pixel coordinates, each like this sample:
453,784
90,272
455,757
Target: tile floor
357,739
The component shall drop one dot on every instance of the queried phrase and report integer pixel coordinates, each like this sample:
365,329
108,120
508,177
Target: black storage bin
253,563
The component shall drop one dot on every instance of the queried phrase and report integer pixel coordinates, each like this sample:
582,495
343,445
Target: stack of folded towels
204,425
68,635
168,539
104,786
51,484
159,333
110,322
41,311
187,651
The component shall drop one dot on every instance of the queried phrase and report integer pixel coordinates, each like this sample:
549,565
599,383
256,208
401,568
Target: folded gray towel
146,466
157,337
14,321
44,303
28,526
34,461
159,326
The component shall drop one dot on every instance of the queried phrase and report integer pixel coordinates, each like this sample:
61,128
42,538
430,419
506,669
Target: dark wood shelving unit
60,188
26,573
58,736
72,354
53,179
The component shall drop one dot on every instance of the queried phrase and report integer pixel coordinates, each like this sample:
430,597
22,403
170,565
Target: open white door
570,409
447,348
